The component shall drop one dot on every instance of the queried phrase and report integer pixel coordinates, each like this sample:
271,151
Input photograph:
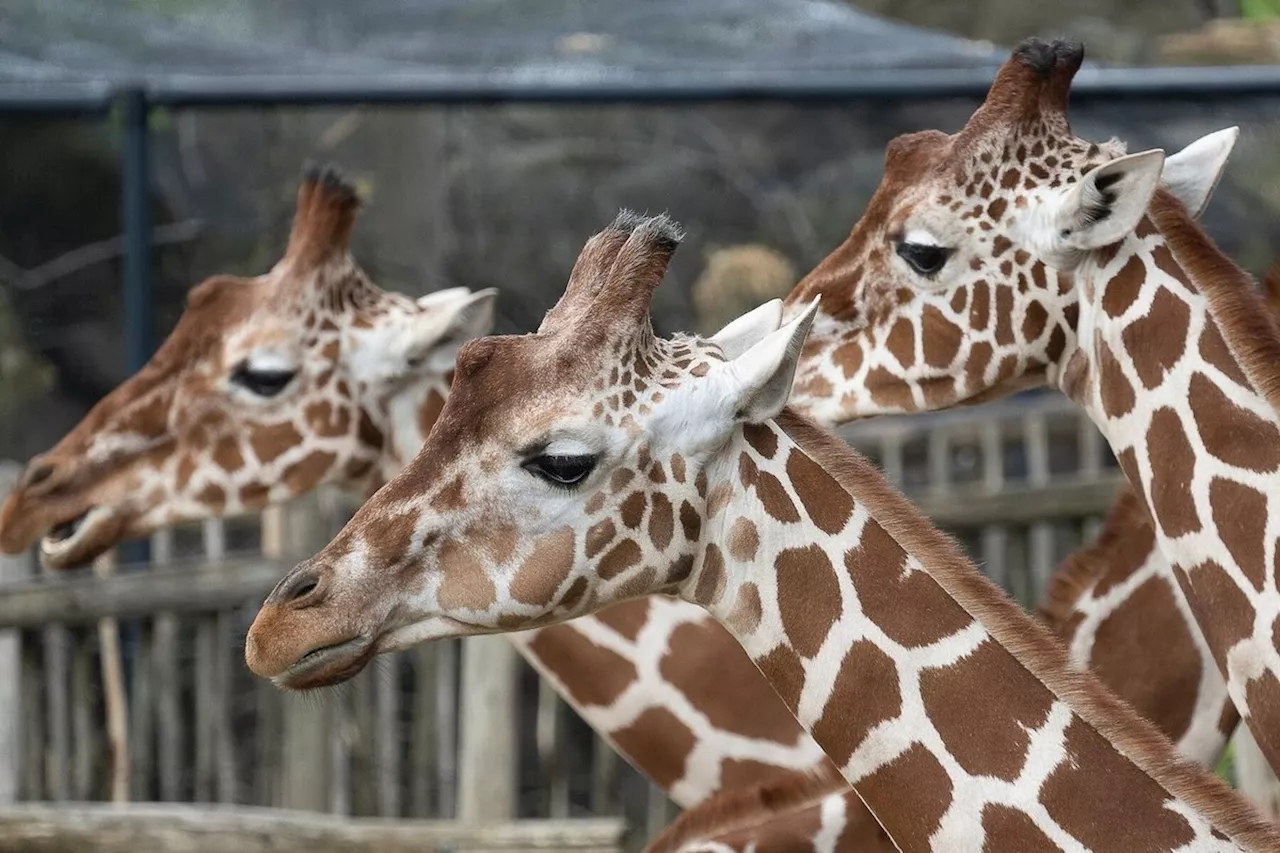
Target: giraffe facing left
214,423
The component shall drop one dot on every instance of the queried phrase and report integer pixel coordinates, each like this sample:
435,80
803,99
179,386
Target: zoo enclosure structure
1022,483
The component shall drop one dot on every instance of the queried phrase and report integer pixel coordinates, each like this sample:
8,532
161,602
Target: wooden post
487,776
1254,776
111,664
307,769
11,751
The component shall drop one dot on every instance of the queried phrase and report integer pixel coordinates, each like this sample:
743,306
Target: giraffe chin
80,540
328,665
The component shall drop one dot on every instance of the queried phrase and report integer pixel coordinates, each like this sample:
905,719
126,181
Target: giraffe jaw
327,665
81,539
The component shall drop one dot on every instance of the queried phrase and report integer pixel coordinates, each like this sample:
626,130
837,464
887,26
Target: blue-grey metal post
139,314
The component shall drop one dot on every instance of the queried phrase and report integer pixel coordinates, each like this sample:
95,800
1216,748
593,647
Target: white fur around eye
269,361
920,237
569,447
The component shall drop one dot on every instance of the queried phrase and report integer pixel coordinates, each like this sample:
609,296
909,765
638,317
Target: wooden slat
604,778
114,696
386,737
81,598
549,729
422,737
447,717
487,756
222,829
35,733
84,719
12,569
57,661
141,717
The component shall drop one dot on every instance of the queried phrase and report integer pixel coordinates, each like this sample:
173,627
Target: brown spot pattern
661,521
1005,828
1123,288
464,583
1116,391
546,567
743,540
918,771
1156,340
762,438
1214,350
876,567
269,442
746,613
697,664
593,675
827,503
1138,822
866,693
773,496
902,342
983,743
1232,434
658,726
808,597
711,579
623,556
1173,462
785,673
940,338
1240,514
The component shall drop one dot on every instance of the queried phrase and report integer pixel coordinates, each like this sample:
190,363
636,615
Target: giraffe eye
264,383
562,471
923,258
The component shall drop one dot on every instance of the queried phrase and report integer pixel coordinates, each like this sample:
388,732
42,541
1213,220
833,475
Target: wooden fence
1021,484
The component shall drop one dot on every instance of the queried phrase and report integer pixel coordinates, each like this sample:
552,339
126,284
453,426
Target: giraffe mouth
75,540
328,665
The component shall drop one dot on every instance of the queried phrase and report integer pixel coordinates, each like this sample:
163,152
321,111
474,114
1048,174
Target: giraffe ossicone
639,465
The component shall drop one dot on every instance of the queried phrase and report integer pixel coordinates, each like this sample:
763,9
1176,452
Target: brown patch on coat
866,693
711,579
808,597
983,743
708,666
464,583
1172,464
1156,341
1240,515
1093,814
545,569
880,576
915,818
1123,288
747,610
663,740
744,541
592,675
940,337
305,474
1232,434
1114,387
829,507
773,495
1006,828
621,557
269,442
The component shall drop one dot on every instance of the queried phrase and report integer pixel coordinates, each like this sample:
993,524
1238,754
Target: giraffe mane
1235,301
1030,642
1076,574
738,808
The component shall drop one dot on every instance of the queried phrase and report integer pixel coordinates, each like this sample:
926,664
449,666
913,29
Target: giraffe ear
448,320
1193,173
749,329
1107,204
759,380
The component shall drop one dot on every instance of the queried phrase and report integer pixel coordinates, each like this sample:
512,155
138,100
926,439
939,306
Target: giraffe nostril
305,590
38,473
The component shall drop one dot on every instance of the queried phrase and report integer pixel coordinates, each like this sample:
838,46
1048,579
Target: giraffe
1017,254
639,464
1105,601
271,386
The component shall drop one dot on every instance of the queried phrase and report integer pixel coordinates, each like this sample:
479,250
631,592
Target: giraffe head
957,284
266,388
567,471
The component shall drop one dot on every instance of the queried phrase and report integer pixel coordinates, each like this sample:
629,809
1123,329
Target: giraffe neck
919,679
410,414
1166,328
